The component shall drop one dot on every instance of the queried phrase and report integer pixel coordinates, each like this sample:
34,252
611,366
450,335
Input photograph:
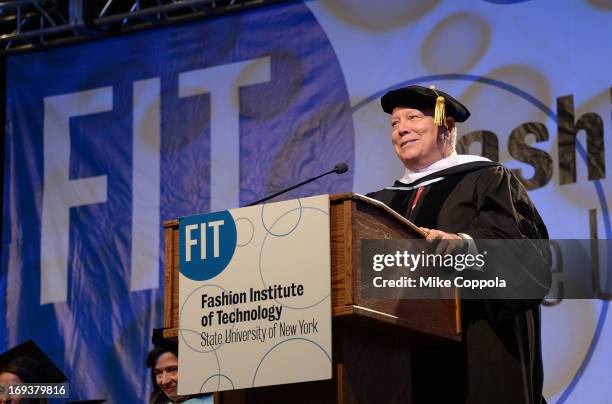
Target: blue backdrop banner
106,140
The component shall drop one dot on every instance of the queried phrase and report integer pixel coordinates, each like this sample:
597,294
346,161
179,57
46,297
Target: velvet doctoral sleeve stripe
504,211
494,197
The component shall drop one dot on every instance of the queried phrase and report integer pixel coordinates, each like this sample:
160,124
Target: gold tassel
440,111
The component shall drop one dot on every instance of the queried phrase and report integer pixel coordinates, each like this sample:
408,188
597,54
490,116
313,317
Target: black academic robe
499,360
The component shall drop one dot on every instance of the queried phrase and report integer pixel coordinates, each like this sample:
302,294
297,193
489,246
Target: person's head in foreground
27,363
163,362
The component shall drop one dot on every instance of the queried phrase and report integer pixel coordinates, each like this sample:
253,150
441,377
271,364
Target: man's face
166,374
415,137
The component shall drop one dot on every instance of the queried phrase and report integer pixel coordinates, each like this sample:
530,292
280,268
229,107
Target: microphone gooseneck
340,168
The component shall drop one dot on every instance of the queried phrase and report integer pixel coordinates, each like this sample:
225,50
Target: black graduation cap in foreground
86,402
423,97
31,364
159,341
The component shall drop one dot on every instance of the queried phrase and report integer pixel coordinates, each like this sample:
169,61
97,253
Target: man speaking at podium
457,199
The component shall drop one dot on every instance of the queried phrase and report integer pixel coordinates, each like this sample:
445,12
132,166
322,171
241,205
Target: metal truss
28,24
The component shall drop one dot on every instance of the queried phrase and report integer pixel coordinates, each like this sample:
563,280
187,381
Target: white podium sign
254,296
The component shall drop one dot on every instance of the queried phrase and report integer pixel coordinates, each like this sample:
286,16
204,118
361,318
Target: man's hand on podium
447,242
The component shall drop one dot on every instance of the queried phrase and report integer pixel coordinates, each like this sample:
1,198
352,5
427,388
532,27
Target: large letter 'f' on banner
60,193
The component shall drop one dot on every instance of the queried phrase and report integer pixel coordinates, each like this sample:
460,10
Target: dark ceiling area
35,24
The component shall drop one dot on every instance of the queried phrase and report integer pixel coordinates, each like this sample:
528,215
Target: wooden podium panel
372,338
354,218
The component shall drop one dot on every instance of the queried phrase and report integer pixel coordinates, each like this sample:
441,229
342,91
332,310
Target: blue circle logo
206,244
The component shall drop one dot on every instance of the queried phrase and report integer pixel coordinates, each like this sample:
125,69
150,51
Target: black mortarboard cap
423,97
31,364
159,341
86,402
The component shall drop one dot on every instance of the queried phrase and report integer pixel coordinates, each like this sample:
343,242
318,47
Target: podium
372,338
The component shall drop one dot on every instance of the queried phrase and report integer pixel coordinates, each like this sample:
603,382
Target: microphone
340,168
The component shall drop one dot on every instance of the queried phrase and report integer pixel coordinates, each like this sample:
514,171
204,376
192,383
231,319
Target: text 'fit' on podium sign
254,296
